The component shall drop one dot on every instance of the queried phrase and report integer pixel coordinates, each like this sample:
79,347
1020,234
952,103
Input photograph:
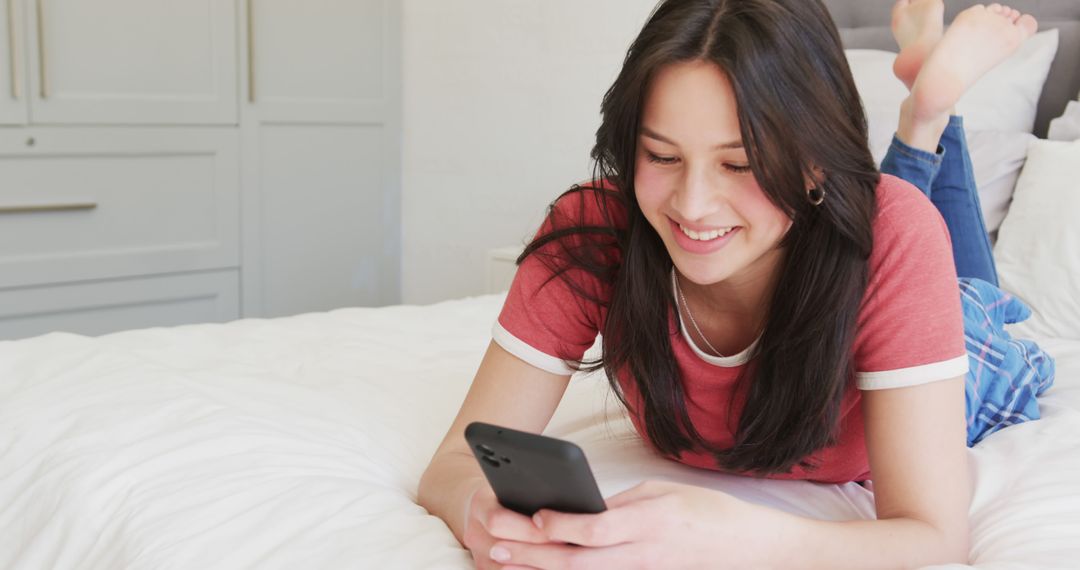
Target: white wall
501,105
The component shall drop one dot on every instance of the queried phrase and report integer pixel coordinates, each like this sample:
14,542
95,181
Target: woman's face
694,183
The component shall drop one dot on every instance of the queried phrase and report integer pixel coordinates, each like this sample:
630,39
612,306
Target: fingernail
499,554
538,521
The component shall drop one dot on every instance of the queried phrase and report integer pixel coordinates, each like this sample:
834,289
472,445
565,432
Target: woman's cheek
646,174
648,183
760,208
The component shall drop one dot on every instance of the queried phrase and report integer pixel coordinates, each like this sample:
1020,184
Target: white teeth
705,236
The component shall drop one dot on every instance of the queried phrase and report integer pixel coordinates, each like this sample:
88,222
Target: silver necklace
686,306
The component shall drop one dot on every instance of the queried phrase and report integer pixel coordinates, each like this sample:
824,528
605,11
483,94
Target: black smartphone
529,472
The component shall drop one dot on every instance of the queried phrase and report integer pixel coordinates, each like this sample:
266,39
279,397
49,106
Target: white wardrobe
165,162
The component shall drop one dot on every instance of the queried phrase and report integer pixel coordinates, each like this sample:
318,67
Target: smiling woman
673,140
734,189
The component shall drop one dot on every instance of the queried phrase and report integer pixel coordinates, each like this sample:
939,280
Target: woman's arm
916,440
915,437
507,392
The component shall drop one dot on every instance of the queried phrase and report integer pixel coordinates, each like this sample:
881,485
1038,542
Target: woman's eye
664,160
659,159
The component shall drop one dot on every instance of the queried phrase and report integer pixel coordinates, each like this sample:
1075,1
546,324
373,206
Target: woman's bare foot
917,26
979,38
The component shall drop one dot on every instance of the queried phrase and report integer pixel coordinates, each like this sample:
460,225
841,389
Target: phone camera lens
505,459
485,449
490,461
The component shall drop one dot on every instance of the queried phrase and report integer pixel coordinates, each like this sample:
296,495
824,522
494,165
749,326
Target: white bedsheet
299,443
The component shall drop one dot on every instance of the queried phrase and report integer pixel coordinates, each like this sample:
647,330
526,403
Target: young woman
770,303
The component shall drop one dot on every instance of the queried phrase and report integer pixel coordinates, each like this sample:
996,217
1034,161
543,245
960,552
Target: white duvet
299,443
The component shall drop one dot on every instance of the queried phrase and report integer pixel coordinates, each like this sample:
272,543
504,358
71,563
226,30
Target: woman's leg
930,149
956,196
946,177
915,165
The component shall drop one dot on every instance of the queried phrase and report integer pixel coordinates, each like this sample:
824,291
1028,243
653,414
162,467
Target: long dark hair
798,108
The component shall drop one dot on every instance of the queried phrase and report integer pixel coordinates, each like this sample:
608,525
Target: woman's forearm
446,486
888,543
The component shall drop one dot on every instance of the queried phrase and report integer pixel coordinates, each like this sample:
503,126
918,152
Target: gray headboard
865,24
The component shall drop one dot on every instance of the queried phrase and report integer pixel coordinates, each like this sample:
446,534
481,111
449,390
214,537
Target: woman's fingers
556,556
500,522
626,523
509,525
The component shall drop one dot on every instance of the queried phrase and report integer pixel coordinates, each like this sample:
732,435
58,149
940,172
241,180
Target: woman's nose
696,198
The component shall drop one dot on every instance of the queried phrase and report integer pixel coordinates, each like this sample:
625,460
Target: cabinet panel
110,306
323,192
13,91
134,62
320,59
104,203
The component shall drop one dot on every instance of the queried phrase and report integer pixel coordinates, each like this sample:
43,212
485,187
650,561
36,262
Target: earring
816,195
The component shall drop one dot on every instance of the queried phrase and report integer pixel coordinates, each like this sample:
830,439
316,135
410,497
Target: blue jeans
946,178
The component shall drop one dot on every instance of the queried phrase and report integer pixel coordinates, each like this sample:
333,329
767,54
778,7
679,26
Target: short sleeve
910,325
548,318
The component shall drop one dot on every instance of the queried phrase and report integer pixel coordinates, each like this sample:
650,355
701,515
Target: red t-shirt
910,330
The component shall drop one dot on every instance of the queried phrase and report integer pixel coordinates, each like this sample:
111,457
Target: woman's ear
816,178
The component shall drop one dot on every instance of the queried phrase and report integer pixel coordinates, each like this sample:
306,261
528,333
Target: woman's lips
697,246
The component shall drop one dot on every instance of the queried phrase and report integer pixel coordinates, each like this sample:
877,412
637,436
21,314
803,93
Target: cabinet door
323,60
13,106
134,62
322,182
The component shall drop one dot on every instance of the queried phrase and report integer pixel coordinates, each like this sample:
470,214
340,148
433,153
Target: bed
299,442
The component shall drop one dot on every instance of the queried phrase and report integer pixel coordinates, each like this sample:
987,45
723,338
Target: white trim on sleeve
914,376
529,353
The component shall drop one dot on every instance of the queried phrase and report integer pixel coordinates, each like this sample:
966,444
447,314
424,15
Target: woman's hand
486,522
653,525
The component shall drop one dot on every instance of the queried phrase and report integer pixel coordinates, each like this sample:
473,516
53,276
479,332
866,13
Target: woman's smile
702,242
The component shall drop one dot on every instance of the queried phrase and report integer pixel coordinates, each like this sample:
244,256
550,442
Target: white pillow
997,158
1067,126
1005,99
881,94
1038,248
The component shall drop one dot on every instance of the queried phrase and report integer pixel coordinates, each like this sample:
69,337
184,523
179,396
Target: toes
996,8
1028,23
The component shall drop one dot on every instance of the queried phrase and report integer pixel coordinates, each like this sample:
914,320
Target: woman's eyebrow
654,135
